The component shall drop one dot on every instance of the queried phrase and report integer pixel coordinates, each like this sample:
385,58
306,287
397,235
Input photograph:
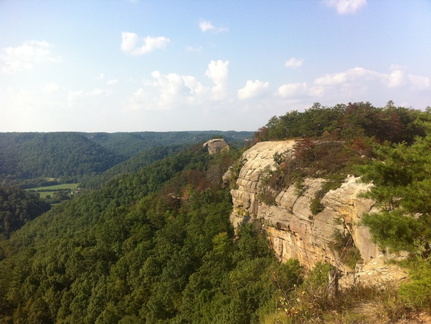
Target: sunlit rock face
216,145
292,229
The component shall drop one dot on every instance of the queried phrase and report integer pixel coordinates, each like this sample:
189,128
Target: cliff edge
292,229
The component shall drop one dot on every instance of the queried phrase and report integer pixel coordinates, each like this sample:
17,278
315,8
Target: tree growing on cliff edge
401,176
345,122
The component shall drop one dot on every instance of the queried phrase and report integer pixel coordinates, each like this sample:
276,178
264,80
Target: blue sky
122,65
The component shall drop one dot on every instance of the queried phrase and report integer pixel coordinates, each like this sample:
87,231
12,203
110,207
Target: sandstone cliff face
292,229
216,145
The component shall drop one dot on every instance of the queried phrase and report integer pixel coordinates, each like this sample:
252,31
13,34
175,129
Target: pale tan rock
290,226
375,272
216,145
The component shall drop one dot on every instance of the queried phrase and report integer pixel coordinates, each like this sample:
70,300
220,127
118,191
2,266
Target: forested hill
155,246
52,155
129,144
131,165
71,155
18,207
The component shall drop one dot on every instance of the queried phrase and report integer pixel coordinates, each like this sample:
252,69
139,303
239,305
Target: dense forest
153,244
129,144
347,122
30,159
17,207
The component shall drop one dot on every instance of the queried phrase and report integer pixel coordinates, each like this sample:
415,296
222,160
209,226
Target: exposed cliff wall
290,225
216,145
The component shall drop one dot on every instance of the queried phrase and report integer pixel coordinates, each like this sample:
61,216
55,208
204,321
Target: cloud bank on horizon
135,66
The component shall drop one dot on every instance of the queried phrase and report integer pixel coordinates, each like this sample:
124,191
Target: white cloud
349,77
294,63
397,78
400,78
171,88
346,6
173,91
206,25
168,91
355,77
26,56
218,72
128,41
419,82
292,89
349,84
359,83
134,45
252,89
139,100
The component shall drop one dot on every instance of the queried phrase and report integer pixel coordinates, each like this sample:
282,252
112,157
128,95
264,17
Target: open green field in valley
51,190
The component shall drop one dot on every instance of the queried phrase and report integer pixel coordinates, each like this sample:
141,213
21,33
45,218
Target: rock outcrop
216,145
292,229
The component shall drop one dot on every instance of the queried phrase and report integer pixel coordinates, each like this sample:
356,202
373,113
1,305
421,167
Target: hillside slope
52,155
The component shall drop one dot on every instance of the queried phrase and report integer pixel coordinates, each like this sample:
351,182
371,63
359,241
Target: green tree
402,189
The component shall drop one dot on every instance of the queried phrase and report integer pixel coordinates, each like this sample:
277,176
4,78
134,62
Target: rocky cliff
215,146
292,229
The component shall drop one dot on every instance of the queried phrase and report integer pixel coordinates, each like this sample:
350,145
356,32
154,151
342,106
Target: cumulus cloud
396,78
294,63
167,91
355,83
419,82
218,72
346,6
173,86
350,76
206,25
172,90
351,83
26,56
292,90
135,45
400,78
252,89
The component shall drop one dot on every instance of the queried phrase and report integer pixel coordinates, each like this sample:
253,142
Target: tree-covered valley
150,241
30,159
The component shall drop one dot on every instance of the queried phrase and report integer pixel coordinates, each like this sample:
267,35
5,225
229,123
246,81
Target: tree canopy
402,189
360,119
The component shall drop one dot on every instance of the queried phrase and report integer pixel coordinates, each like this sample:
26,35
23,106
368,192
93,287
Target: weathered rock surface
375,272
216,145
291,228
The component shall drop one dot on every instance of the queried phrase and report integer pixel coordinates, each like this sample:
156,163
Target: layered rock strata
292,229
